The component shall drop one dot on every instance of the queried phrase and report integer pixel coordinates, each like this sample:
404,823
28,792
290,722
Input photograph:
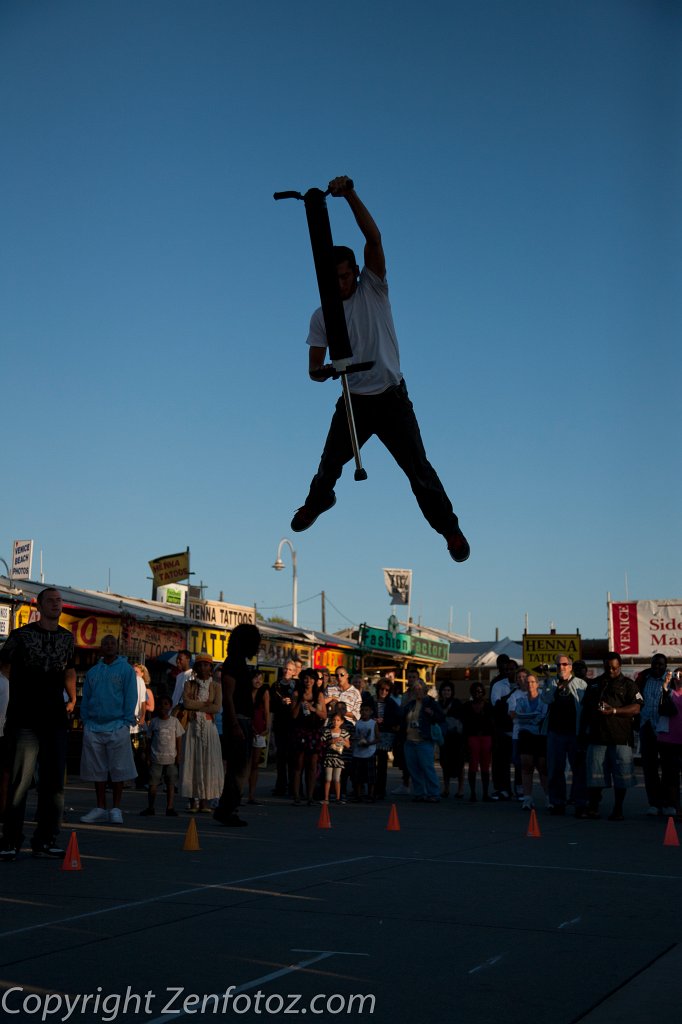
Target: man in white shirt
381,404
183,663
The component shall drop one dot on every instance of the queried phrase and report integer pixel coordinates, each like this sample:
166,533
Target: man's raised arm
374,251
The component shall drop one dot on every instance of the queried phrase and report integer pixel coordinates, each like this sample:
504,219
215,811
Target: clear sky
522,159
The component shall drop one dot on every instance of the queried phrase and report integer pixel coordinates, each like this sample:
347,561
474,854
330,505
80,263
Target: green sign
404,643
382,640
432,650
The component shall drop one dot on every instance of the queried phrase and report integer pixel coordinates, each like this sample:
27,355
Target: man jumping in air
381,404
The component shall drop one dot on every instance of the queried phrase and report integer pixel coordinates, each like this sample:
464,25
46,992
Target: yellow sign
541,650
87,631
208,641
170,568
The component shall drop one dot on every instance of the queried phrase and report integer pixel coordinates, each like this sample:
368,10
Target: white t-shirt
163,733
141,698
180,681
364,731
371,333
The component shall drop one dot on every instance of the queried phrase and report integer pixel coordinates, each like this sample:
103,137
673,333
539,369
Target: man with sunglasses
564,694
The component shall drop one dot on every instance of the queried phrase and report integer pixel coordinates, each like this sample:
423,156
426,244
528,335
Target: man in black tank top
237,715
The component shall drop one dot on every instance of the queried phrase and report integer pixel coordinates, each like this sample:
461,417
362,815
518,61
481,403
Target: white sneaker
400,791
527,804
116,816
669,812
97,814
653,812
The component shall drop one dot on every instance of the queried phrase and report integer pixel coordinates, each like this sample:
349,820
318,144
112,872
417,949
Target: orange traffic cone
533,827
324,821
671,838
191,837
393,823
72,858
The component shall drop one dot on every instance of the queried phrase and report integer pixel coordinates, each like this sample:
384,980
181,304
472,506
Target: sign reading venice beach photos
640,629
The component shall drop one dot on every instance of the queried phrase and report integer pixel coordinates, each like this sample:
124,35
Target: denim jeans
46,750
420,765
560,747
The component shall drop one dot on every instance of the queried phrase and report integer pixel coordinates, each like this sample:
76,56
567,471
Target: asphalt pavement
458,915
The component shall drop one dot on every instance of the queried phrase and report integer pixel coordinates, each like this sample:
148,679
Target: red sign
330,658
624,628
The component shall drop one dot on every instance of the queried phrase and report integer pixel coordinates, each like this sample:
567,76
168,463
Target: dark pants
46,750
237,754
391,417
502,755
648,750
671,756
559,748
283,762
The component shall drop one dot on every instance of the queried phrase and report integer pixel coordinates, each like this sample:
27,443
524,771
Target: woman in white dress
202,766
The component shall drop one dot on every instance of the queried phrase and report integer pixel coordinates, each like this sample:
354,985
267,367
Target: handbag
437,734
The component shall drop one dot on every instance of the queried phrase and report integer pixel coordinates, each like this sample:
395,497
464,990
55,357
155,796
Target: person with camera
609,709
564,695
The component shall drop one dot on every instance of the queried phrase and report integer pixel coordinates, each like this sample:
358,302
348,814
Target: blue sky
522,160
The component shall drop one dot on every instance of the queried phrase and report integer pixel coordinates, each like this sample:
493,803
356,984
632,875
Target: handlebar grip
350,186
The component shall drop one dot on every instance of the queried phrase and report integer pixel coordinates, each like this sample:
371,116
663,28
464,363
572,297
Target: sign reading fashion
640,629
403,643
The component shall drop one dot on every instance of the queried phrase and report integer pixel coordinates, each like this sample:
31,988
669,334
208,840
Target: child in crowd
364,753
165,756
335,738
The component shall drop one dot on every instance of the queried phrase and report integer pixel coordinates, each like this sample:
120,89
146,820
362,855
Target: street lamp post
279,565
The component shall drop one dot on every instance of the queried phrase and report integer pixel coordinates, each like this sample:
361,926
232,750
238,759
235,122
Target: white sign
398,583
640,629
172,594
5,619
218,613
22,556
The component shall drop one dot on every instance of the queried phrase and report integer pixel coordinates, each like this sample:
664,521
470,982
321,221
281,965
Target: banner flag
398,583
170,568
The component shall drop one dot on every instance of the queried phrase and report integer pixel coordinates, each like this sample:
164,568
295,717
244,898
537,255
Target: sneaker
147,812
305,516
669,812
97,814
229,820
171,812
116,816
47,850
458,546
653,812
401,791
8,853
527,803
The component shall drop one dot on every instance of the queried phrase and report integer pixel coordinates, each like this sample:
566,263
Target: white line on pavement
173,895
